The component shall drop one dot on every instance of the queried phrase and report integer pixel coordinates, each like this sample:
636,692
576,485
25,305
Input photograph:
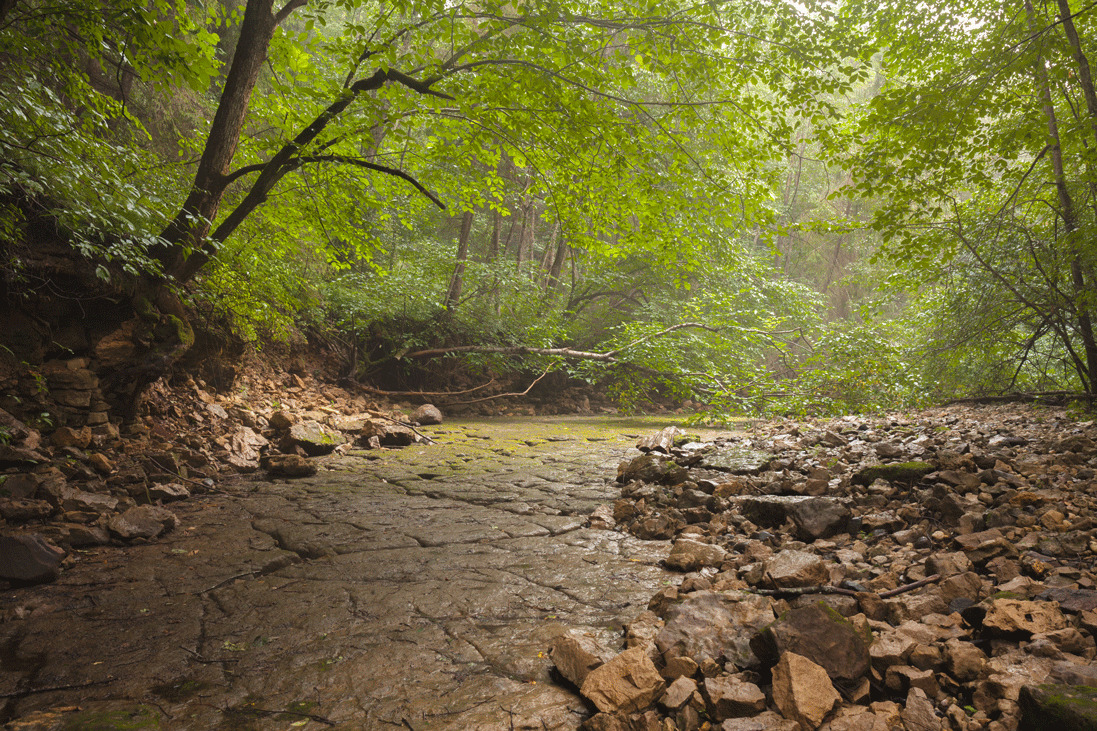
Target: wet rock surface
414,588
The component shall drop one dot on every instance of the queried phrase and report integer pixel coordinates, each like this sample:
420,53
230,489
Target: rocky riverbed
396,588
928,571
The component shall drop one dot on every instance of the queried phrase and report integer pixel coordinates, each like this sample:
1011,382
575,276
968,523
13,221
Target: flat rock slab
365,596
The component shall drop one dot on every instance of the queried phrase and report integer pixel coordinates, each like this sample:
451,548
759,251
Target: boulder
575,654
802,691
678,694
646,468
1012,616
730,697
23,510
19,484
143,521
629,682
791,568
818,518
767,511
66,436
427,415
1058,708
387,434
100,463
314,438
690,555
244,445
281,420
72,500
918,713
29,558
982,546
661,441
714,625
821,635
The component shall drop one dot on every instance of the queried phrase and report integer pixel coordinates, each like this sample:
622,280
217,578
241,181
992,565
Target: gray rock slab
365,595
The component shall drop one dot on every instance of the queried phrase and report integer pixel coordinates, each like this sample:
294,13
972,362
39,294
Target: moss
133,718
903,472
182,330
1058,707
146,310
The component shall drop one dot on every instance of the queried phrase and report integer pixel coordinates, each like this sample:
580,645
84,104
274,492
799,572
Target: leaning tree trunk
187,233
160,332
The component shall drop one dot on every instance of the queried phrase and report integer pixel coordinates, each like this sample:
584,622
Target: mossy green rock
899,472
1058,708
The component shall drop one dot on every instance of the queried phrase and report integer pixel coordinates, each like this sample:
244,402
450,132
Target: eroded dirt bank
395,589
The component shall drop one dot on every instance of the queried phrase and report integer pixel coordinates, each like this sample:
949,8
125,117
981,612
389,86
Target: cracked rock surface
418,588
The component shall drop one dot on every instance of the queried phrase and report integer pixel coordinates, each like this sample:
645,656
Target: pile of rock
82,485
928,572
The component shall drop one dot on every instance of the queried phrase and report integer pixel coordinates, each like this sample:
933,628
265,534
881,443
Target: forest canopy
757,206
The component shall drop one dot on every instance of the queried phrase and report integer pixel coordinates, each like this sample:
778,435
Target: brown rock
629,682
16,510
918,713
715,625
642,631
575,654
601,518
802,690
314,438
427,415
168,492
678,694
821,635
30,558
890,648
790,568
143,521
690,555
902,678
281,420
818,518
965,661
100,463
733,698
678,667
66,436
1008,616
983,546
768,721
244,445
19,485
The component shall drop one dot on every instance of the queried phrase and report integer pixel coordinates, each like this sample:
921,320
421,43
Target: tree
980,147
643,129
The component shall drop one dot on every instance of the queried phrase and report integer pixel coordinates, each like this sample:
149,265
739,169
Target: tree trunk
453,295
1087,370
187,232
525,239
1085,77
562,251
